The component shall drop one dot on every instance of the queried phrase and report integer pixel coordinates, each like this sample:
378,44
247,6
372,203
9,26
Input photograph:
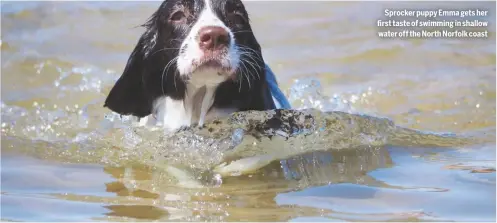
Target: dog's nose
213,37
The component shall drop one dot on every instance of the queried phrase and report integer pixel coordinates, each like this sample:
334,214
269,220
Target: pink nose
213,38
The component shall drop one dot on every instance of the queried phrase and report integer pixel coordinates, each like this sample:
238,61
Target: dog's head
198,42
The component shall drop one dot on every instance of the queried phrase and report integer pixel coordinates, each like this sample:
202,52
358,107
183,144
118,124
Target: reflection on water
139,192
59,60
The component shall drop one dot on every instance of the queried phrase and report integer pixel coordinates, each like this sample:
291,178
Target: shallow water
59,59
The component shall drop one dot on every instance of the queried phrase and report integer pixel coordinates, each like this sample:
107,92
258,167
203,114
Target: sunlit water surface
60,59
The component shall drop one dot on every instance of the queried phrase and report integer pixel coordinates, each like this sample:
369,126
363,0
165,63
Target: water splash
241,144
308,93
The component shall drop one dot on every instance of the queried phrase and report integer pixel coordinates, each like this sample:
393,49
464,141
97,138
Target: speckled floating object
247,141
242,143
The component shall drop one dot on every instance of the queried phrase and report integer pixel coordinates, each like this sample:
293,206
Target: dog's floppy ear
128,96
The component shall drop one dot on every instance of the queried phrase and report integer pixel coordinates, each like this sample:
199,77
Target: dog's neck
198,100
194,108
175,113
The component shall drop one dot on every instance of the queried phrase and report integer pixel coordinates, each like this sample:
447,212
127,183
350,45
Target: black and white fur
169,80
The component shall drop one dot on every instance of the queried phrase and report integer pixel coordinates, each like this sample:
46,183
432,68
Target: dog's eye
178,16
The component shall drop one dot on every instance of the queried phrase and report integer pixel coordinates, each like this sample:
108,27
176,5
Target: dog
197,60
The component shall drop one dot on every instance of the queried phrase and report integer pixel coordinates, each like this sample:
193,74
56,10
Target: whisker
254,57
163,50
164,71
247,48
244,61
254,66
240,80
249,57
243,31
245,74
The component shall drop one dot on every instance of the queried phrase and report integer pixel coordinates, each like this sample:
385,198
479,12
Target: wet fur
151,73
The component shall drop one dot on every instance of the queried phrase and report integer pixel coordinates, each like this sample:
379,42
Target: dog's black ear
128,96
